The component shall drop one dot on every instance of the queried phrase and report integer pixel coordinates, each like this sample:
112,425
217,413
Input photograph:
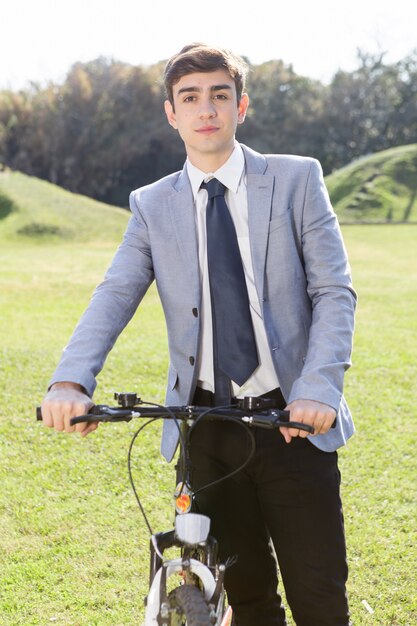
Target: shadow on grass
39,229
7,206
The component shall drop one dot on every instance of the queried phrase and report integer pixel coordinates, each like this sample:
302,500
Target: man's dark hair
199,57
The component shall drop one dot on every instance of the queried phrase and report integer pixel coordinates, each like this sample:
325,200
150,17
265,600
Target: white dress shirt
232,175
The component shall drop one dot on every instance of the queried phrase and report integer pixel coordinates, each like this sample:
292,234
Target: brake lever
104,413
99,412
274,420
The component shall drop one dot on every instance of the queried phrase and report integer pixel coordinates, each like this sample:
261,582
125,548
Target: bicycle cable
241,467
129,466
129,454
184,447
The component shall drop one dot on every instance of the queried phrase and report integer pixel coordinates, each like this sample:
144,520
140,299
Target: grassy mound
34,209
378,188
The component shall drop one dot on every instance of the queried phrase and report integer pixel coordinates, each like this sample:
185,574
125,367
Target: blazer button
195,312
192,360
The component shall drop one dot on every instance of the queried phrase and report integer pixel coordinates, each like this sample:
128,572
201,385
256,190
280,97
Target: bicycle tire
191,607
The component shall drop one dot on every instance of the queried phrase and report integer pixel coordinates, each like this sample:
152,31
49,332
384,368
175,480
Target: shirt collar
230,173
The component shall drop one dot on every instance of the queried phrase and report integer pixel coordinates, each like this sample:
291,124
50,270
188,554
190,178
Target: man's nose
207,109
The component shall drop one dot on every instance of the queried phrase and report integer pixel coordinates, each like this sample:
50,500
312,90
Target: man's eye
189,99
220,96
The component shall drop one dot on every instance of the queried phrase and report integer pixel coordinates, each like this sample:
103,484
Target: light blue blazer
301,273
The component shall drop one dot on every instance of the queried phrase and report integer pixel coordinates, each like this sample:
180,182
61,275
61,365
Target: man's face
206,114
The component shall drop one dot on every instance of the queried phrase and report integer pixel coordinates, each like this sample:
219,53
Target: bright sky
41,39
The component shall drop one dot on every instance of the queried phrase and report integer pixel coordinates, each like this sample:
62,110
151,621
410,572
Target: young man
283,270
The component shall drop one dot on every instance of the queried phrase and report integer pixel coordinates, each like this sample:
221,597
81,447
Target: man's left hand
318,415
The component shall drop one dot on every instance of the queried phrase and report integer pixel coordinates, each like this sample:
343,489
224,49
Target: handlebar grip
83,419
285,415
39,414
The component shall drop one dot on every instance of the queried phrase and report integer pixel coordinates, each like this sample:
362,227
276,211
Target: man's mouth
207,130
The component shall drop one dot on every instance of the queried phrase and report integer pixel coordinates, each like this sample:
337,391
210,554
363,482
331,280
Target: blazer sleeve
333,299
112,306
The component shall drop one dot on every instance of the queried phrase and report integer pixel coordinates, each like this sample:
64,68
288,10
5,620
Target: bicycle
199,599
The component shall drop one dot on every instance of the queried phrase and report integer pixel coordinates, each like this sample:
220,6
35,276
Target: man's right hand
63,401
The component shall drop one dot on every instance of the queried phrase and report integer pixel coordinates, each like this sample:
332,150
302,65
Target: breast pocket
281,221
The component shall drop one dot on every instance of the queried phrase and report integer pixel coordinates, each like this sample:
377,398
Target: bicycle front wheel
190,607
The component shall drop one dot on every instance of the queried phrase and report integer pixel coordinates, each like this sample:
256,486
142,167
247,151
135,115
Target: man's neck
209,162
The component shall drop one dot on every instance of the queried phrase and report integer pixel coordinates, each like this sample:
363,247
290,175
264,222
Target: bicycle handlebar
247,410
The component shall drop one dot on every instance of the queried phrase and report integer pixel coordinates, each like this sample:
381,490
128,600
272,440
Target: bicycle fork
191,535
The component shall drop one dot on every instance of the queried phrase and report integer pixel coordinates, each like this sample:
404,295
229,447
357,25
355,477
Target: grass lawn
73,547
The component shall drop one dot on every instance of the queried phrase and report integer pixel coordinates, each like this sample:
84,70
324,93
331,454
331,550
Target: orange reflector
183,503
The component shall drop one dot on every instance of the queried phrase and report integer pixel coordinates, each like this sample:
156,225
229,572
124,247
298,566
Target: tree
365,109
103,131
284,110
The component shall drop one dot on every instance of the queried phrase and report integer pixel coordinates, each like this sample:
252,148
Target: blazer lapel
260,187
184,224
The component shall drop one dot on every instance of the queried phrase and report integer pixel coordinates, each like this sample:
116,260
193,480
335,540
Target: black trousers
285,501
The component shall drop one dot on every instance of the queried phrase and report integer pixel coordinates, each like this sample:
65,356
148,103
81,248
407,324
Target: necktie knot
214,188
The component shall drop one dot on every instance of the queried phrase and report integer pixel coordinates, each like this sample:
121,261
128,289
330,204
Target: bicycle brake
253,403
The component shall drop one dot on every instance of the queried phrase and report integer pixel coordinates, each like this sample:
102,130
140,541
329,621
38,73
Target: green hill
378,188
34,209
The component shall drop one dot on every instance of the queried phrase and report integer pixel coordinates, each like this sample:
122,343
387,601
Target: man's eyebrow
220,87
198,89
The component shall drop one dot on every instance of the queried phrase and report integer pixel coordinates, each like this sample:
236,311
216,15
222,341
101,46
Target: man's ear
242,108
169,112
